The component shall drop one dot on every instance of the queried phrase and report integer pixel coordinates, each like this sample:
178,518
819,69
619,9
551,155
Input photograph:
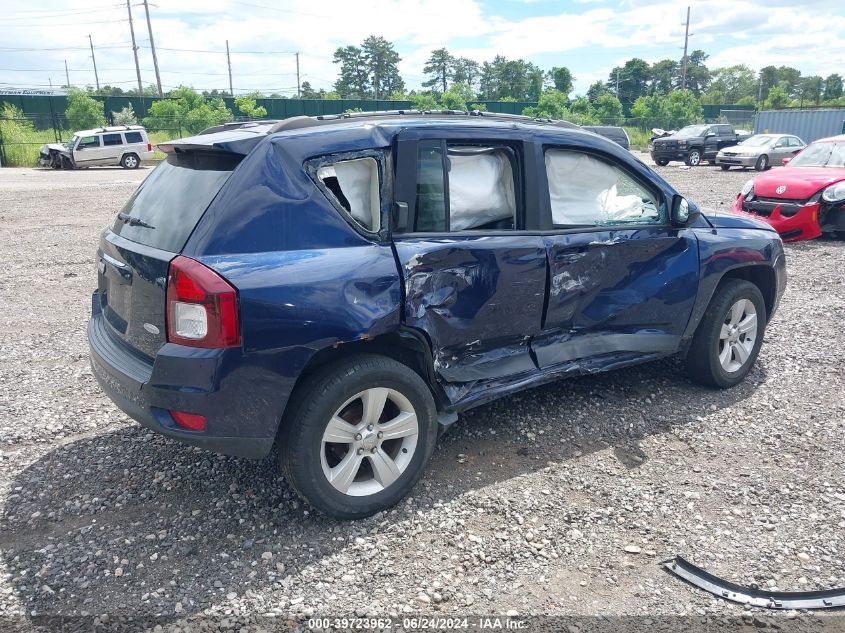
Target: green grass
21,142
639,137
162,136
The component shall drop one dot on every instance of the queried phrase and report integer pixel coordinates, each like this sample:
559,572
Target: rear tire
130,161
365,470
762,163
729,336
661,161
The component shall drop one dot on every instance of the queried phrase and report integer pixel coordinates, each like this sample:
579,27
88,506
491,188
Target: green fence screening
44,110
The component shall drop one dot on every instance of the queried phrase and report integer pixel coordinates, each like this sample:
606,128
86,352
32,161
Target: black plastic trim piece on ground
829,599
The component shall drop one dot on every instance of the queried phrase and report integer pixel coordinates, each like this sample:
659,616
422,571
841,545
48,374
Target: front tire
357,435
762,163
729,337
725,167
693,158
130,161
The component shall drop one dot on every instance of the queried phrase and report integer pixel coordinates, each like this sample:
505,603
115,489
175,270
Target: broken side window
354,184
472,187
587,191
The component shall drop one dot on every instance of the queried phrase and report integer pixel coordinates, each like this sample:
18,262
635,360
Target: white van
124,145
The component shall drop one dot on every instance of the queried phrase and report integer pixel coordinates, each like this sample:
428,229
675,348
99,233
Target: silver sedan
761,151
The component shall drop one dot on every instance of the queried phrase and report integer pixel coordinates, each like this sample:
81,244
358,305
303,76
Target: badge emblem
780,189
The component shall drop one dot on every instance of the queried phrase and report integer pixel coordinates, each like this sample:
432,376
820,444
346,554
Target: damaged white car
124,145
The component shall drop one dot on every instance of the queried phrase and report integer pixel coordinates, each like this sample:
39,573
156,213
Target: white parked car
124,145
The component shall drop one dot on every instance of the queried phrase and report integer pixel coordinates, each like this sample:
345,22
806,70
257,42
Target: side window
587,191
470,187
795,142
133,137
725,130
88,141
112,139
354,185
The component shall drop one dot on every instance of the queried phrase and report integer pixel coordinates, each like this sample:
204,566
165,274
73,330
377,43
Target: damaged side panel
617,291
479,300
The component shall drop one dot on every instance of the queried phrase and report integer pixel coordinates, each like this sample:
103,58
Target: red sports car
806,197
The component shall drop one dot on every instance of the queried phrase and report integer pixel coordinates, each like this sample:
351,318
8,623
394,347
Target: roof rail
300,122
236,125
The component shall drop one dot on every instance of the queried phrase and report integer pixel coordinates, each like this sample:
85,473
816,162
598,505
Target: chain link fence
21,138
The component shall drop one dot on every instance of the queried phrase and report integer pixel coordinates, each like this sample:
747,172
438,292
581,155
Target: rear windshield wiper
128,219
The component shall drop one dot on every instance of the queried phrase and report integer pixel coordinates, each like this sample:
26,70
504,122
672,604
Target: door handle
400,215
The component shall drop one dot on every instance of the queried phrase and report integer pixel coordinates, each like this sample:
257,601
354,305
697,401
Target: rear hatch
150,230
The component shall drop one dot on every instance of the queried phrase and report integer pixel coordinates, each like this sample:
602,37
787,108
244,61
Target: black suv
344,286
695,143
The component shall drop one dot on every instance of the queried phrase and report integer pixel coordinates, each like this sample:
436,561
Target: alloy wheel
369,442
737,336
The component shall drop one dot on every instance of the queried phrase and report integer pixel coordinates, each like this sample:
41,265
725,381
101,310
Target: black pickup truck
696,143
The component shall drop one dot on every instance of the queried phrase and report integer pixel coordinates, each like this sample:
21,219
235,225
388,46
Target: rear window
167,206
134,137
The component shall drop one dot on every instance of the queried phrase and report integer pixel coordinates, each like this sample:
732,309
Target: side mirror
787,159
682,213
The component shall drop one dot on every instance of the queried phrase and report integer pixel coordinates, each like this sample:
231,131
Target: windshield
759,141
169,203
821,155
72,142
691,131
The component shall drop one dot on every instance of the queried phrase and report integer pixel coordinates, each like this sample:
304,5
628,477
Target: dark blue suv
344,286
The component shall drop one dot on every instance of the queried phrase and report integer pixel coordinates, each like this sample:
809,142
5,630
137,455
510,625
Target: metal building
808,125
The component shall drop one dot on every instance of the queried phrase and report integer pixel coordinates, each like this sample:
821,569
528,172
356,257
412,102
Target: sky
589,37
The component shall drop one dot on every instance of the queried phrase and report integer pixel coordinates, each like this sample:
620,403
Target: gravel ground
561,500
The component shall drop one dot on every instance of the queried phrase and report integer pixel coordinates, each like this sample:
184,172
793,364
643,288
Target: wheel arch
404,345
761,276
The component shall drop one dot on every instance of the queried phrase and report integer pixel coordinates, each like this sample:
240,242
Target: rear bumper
240,421
804,225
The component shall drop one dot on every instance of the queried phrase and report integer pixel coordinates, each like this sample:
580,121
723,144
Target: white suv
124,145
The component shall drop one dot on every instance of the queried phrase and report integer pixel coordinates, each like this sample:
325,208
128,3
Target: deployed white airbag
583,191
358,180
480,187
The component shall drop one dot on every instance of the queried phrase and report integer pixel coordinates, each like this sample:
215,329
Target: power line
17,49
222,52
44,24
56,13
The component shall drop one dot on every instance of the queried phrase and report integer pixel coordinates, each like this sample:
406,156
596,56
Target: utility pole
153,48
617,83
94,59
229,62
135,50
67,75
760,89
686,40
298,84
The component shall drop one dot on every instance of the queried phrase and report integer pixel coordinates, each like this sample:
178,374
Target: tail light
202,307
149,147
